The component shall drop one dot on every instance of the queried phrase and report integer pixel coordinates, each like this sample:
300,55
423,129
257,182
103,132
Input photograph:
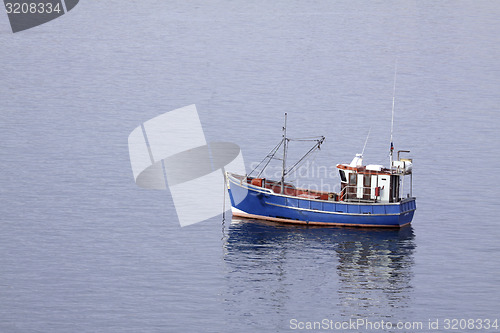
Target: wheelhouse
374,183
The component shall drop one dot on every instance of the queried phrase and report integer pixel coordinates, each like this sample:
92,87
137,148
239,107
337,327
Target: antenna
367,136
284,159
393,102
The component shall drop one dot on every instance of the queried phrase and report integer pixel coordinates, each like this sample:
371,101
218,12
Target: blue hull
256,202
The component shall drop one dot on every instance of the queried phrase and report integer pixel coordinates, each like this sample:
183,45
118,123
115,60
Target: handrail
243,182
344,193
354,193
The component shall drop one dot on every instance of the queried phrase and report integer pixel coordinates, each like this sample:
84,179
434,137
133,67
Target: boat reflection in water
276,272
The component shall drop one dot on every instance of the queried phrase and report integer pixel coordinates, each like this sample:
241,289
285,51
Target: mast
284,142
392,118
284,159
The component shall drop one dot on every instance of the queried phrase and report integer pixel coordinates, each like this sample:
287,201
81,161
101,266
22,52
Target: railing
349,193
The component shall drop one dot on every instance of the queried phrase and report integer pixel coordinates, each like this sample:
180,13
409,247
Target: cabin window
367,181
351,188
342,176
352,179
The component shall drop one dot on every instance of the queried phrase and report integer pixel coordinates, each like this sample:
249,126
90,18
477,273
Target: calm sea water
83,249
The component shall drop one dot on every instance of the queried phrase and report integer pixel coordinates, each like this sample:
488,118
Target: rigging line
316,146
314,154
274,151
269,155
363,152
315,138
311,137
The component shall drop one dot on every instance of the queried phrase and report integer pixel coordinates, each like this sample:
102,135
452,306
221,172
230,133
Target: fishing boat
370,195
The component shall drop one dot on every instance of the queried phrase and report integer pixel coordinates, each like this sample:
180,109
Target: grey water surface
83,249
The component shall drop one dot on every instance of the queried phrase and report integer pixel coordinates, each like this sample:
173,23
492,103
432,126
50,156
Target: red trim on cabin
362,170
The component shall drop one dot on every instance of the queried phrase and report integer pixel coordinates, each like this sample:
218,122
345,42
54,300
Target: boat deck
289,189
347,194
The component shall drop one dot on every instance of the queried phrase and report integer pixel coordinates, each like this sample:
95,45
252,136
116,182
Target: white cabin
374,183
